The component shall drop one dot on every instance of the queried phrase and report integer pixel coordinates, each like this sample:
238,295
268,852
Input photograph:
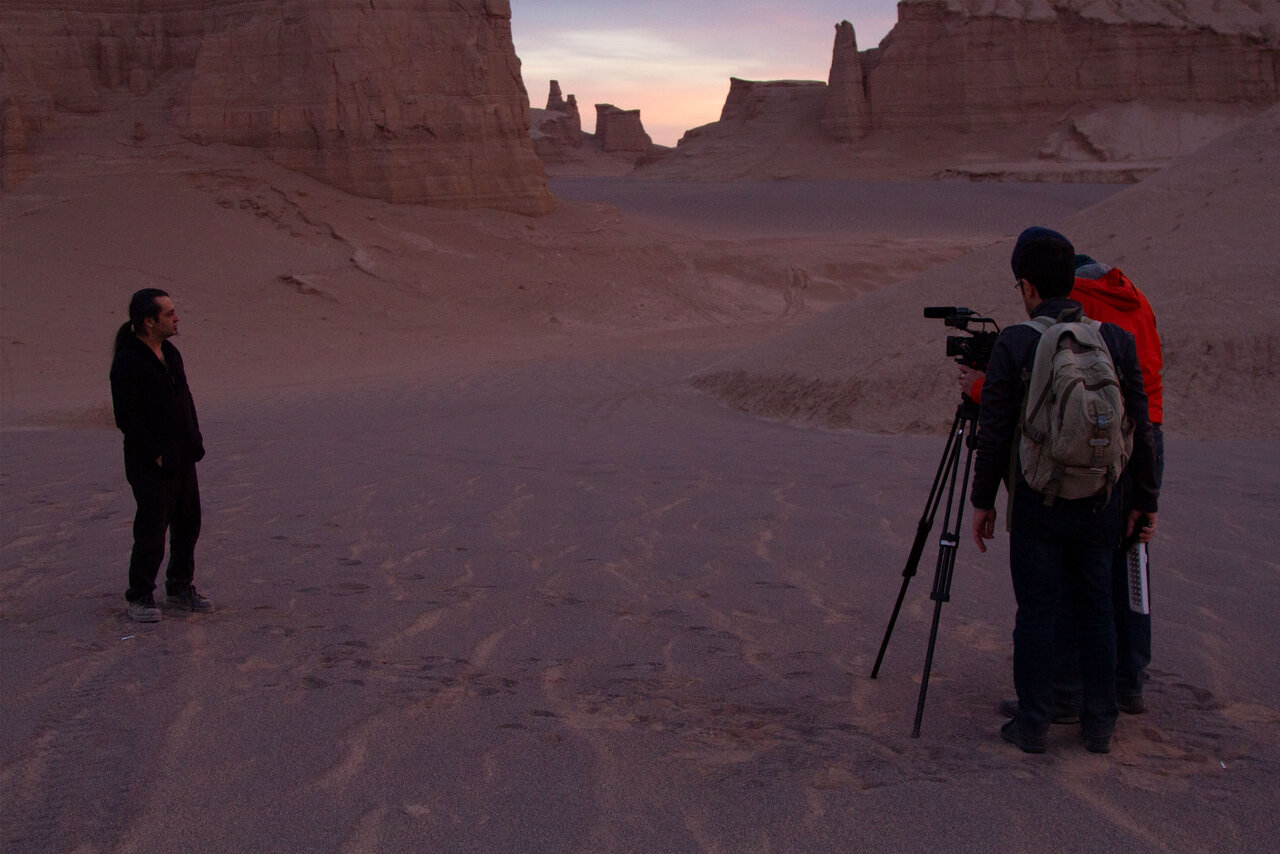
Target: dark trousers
1133,643
166,502
1063,554
1133,630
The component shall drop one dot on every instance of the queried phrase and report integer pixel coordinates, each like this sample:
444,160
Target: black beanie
1026,237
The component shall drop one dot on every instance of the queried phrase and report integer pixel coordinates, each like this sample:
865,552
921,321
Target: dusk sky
672,59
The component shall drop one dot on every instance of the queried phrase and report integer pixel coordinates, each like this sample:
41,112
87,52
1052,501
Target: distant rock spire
555,101
571,124
847,115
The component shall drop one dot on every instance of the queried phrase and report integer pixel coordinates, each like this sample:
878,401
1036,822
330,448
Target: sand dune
491,576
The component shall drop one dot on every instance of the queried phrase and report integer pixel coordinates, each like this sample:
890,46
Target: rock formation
847,115
405,100
556,101
971,65
1038,88
773,101
771,108
621,130
619,143
557,131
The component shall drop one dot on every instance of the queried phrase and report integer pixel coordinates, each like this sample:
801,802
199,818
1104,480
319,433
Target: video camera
973,349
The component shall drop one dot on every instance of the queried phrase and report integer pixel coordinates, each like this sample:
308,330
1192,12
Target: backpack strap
1040,324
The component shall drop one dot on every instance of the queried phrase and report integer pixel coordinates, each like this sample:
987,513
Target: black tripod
965,424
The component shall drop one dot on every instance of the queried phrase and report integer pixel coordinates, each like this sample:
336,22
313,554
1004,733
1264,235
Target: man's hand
968,377
1148,532
984,527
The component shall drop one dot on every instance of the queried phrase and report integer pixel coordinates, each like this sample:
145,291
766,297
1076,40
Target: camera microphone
944,311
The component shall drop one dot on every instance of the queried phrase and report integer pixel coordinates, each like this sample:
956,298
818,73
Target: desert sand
492,575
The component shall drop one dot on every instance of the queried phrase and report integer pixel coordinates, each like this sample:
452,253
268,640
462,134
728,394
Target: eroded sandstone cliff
1040,89
404,100
978,64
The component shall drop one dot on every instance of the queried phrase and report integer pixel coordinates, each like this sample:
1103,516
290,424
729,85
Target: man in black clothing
162,444
1061,551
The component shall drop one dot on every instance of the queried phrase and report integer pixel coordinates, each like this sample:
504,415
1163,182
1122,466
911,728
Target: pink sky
672,59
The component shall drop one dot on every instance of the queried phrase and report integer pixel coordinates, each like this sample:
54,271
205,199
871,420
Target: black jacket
1002,397
154,408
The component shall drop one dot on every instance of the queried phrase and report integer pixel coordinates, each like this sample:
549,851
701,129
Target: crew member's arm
1142,464
1001,395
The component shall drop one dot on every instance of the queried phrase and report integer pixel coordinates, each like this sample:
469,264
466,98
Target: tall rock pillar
555,99
847,115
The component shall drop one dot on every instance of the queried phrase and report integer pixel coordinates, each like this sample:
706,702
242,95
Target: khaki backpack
1076,437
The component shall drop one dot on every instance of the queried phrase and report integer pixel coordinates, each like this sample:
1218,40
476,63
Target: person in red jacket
1108,295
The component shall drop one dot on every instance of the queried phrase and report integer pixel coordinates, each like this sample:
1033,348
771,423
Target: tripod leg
928,668
946,567
946,470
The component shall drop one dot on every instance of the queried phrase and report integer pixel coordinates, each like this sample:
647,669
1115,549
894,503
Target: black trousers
166,502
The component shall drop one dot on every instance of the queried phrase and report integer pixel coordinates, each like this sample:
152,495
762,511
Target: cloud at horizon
672,59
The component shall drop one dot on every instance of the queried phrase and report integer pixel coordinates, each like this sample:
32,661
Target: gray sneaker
190,600
144,611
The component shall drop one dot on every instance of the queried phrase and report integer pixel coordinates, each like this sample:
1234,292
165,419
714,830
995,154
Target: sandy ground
492,576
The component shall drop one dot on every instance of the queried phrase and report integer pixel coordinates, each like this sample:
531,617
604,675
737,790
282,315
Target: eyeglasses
1017,284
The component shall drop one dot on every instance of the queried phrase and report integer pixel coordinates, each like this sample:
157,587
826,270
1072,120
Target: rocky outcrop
621,130
405,100
969,65
556,101
619,143
847,115
557,131
758,109
1033,89
772,101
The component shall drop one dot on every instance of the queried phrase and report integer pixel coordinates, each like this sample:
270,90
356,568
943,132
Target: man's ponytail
142,305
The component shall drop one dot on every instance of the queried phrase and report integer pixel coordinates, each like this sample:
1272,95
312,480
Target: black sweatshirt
154,408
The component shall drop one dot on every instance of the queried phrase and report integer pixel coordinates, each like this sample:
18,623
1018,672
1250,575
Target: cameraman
1062,551
1107,294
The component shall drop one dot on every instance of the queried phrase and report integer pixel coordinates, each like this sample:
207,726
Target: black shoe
144,610
1097,743
1015,734
190,600
1062,713
1131,704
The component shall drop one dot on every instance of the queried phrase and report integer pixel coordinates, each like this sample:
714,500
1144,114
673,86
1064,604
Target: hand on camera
971,382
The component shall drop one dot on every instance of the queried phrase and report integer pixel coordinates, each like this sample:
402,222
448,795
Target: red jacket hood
1114,299
1113,289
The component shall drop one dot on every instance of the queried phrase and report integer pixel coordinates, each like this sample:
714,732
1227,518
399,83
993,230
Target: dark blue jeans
1063,554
